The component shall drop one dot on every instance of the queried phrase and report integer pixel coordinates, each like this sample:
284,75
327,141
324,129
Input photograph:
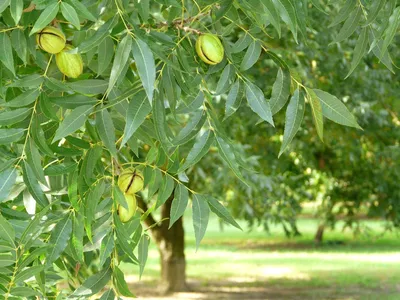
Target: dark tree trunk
320,234
171,245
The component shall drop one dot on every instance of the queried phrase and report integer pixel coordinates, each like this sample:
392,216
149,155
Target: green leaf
169,86
81,9
120,284
257,102
56,85
301,10
8,136
40,140
73,121
24,99
123,239
29,81
22,291
108,295
273,15
59,238
316,112
154,183
106,130
294,117
226,152
91,158
349,26
200,217
93,284
28,273
146,67
384,57
33,255
120,60
288,14
105,54
7,181
6,55
160,122
91,202
193,105
143,250
33,229
217,208
200,148
107,247
7,164
242,43
119,197
4,4
179,204
60,169
70,14
375,9
280,90
360,50
6,259
5,247
78,232
317,5
335,110
45,17
194,125
143,8
18,41
233,100
344,12
100,34
89,86
33,185
34,160
223,82
14,116
136,113
73,189
7,232
391,30
251,56
166,189
16,8
73,101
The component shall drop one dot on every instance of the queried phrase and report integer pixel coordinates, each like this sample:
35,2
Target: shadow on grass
348,246
235,288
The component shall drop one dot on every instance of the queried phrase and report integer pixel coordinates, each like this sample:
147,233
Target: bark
171,246
320,234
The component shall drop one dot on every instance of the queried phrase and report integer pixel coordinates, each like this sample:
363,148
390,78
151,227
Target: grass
256,265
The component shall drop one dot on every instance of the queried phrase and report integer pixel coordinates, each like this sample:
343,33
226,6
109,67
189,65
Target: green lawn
233,264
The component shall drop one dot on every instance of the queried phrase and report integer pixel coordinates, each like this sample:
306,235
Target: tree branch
180,23
30,8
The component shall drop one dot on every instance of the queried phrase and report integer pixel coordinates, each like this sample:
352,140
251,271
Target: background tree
145,99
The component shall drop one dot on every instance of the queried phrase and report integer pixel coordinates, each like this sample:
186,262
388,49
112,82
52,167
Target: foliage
146,100
337,175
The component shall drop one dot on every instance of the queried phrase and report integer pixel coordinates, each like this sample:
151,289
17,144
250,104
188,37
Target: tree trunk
320,234
171,246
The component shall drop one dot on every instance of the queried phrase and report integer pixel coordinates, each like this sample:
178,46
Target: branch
30,8
180,23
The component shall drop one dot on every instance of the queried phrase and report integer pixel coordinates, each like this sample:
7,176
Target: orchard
117,116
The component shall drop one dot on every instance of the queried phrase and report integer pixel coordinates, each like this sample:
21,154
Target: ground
233,264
